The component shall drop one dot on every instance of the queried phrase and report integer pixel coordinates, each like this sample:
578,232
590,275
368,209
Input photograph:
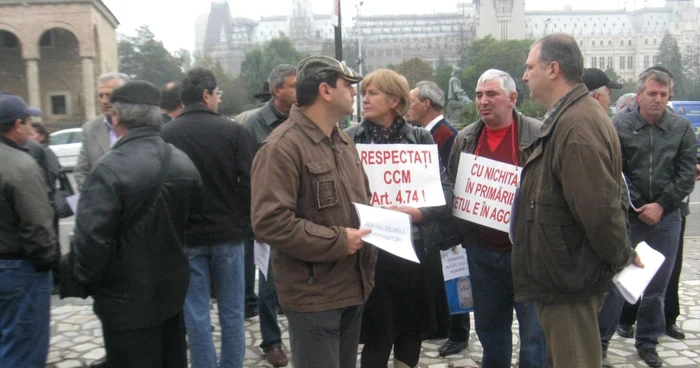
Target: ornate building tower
301,19
502,19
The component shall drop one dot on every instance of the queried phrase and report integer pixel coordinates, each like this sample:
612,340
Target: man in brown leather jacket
305,178
568,222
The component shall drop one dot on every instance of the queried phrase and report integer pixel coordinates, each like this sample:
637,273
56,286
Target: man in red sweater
500,134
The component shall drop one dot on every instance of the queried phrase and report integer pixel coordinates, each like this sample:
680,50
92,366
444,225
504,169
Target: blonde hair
392,84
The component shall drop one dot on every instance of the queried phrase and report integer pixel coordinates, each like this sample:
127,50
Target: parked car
66,145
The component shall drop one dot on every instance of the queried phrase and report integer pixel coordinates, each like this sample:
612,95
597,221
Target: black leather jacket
658,160
132,257
431,231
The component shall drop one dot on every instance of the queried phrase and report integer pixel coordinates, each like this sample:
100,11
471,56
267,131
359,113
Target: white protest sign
484,191
454,263
261,255
391,230
407,174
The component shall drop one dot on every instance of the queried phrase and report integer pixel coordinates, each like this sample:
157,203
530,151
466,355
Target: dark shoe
276,357
250,313
650,357
451,347
626,331
675,332
100,363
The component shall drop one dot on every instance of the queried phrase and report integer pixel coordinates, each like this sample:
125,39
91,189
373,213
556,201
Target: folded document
633,280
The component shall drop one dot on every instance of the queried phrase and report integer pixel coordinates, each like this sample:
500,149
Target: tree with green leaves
415,70
144,57
670,58
507,55
443,72
626,86
260,61
235,98
691,66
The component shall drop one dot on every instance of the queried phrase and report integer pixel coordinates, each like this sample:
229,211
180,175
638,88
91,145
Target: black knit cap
136,92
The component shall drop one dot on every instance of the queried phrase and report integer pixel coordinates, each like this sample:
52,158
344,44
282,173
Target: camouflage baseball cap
317,66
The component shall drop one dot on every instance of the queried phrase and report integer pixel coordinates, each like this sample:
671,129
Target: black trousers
160,346
459,327
672,308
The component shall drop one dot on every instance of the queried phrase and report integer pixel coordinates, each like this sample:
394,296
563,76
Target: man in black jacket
27,241
129,247
658,160
222,151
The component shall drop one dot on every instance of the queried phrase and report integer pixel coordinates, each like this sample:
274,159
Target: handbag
59,201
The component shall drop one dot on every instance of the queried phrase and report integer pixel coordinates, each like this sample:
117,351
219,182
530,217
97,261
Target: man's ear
324,91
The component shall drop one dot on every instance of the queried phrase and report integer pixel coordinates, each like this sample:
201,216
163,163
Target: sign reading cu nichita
484,191
403,174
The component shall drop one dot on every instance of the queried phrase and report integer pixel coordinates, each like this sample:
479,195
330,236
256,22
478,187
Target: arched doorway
13,79
61,78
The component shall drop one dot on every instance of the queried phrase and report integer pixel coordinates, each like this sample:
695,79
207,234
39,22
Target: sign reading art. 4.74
403,174
484,191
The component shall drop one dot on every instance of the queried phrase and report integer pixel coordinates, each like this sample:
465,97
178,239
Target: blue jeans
651,322
225,263
494,300
267,310
25,311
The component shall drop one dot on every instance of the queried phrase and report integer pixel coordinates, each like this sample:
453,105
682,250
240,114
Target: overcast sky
173,21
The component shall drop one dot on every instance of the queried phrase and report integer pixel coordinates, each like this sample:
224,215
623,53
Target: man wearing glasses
223,153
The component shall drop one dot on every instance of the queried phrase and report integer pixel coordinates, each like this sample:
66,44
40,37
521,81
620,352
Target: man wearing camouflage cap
305,178
129,247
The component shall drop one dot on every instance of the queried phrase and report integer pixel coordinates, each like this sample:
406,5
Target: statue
457,99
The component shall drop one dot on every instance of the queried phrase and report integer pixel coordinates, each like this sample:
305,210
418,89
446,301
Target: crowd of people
174,196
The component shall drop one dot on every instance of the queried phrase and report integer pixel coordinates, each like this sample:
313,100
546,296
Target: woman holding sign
402,308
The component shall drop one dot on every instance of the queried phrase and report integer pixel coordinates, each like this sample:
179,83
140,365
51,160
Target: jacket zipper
651,161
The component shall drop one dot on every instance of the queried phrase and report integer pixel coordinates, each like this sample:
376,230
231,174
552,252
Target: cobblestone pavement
76,336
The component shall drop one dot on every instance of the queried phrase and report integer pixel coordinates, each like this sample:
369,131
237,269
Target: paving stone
77,333
69,364
678,362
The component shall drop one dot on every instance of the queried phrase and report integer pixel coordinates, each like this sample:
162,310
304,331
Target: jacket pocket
324,184
557,241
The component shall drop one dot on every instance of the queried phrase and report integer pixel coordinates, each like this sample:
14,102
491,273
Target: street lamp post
339,34
360,60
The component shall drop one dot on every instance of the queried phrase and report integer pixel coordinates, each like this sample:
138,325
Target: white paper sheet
261,254
391,230
454,263
632,280
73,202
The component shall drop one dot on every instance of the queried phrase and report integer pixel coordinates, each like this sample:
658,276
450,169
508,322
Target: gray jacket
95,144
659,159
262,122
26,217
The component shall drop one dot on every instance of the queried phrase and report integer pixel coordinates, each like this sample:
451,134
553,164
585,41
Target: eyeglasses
219,93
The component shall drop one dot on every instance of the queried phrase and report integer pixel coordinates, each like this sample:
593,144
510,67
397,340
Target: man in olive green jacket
568,222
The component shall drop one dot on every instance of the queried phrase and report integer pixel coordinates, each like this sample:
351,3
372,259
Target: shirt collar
108,124
434,122
271,115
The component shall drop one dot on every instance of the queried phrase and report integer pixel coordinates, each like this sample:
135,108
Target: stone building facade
51,53
626,40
